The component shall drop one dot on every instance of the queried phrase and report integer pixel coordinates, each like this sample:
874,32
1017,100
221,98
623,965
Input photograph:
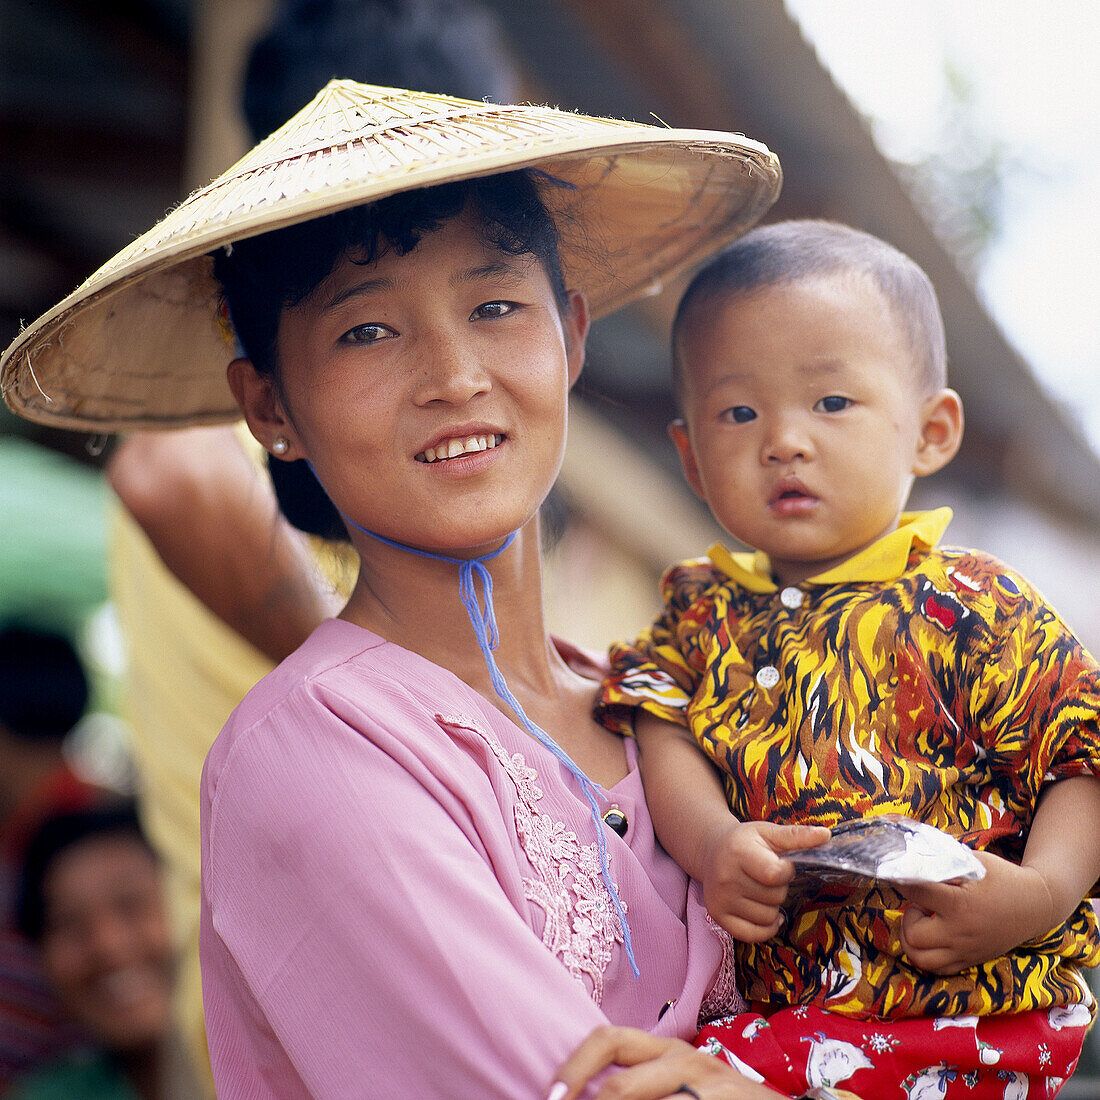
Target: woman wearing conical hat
427,872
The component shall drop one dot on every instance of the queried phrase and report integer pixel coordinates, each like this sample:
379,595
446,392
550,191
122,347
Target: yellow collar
883,560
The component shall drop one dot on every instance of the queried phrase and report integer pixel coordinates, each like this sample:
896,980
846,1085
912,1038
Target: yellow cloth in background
187,671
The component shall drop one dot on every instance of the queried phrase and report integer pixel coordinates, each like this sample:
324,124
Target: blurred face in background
106,944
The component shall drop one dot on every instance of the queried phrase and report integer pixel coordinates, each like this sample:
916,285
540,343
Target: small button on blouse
616,821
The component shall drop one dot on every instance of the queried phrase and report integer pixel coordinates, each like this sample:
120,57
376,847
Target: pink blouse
402,894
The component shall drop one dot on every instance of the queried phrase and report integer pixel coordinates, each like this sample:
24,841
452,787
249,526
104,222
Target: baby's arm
739,863
950,927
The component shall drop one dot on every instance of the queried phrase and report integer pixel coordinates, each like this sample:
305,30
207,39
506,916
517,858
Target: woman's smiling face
429,390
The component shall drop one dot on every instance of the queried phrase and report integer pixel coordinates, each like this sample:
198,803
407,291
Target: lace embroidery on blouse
723,998
581,927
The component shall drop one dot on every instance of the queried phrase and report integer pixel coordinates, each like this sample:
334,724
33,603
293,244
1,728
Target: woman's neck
415,602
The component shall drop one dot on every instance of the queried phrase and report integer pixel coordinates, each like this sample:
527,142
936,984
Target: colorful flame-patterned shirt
928,681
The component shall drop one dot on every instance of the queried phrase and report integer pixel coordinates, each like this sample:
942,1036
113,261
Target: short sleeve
1035,695
662,668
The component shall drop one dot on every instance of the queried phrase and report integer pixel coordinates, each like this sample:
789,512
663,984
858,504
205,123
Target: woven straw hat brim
144,341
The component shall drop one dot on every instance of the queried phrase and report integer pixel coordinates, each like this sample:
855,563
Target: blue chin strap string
484,622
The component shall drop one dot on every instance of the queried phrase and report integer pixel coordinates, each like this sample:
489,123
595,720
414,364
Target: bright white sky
1033,64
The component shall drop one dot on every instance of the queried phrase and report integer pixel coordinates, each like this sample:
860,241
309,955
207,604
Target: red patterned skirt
1026,1056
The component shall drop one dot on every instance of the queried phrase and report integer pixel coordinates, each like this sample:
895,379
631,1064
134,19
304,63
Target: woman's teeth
455,447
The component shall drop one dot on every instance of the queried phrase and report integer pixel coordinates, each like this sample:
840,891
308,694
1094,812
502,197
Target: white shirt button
791,597
768,676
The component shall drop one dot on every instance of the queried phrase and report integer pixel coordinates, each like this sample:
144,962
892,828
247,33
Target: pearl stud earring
279,446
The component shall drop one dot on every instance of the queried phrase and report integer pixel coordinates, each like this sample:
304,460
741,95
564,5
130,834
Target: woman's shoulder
342,680
330,647
347,713
340,659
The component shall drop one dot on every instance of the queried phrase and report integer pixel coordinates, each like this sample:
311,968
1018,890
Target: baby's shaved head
788,251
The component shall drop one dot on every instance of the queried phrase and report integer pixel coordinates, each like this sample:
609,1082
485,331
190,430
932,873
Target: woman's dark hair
264,275
54,837
43,686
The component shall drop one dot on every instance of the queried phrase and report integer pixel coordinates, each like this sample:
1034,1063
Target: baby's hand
948,927
745,875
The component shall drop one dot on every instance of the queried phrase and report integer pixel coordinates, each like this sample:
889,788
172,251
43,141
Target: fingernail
557,1090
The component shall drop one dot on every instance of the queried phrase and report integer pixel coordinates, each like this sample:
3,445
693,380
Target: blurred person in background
43,694
212,585
91,897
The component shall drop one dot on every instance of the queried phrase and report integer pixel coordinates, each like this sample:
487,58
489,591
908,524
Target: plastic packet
889,847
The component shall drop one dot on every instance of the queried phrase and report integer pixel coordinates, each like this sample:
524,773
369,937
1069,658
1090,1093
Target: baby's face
803,414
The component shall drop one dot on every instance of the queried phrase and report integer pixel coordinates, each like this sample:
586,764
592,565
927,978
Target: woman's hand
656,1068
745,875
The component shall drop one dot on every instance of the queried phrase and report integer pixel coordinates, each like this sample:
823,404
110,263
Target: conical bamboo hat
144,341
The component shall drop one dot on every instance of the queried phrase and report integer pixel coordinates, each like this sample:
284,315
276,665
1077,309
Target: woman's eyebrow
506,270
367,286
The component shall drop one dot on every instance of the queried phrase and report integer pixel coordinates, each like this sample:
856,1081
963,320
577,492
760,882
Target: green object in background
53,577
95,1077
53,538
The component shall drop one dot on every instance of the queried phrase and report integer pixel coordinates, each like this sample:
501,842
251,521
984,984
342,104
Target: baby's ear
940,433
678,433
